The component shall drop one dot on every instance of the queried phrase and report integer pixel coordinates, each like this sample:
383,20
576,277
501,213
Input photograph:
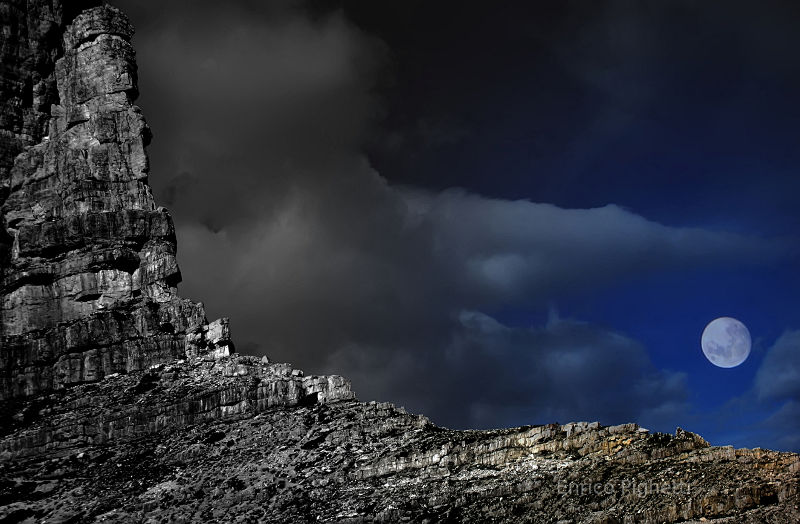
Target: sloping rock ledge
239,439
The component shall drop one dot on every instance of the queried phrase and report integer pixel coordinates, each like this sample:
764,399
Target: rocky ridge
240,440
120,402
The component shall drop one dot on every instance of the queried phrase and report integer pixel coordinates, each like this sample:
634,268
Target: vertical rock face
89,280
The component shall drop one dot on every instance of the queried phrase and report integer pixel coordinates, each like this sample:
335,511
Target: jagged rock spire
89,282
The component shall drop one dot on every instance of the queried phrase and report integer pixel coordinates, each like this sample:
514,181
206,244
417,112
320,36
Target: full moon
726,342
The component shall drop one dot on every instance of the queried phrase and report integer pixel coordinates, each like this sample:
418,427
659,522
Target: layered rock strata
165,396
89,280
236,440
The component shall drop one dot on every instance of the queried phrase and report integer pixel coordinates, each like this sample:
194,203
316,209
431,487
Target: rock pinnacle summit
89,280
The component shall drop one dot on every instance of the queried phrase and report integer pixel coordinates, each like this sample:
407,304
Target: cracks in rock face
88,241
342,460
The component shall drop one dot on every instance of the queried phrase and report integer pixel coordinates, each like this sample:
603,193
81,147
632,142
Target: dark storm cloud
779,374
259,119
565,370
644,104
490,375
767,414
384,285
783,427
649,67
778,382
502,250
245,100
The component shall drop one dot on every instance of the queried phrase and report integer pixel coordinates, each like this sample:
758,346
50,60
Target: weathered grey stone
89,279
169,441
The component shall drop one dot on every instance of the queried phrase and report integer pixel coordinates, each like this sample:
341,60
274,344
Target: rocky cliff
120,402
89,280
237,439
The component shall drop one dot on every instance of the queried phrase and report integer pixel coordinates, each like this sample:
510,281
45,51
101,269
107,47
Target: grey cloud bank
259,122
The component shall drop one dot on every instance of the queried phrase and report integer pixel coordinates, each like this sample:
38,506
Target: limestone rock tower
89,274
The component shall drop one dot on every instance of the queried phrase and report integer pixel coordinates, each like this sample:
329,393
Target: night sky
494,214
